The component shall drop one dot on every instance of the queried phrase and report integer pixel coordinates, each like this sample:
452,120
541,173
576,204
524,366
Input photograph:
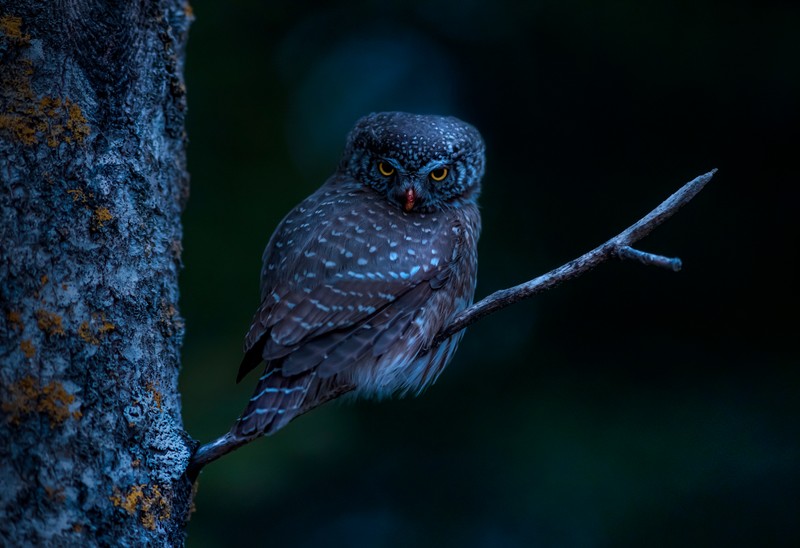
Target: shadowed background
633,406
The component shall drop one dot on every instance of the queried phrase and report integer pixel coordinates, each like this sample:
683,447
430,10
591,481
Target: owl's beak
411,197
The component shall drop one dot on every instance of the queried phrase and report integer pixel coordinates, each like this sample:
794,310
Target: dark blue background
633,406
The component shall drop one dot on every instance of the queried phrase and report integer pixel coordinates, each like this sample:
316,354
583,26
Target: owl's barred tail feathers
276,401
279,399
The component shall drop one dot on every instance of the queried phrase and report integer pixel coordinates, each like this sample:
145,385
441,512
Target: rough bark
92,166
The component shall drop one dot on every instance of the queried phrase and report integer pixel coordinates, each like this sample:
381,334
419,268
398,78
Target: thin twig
618,247
650,259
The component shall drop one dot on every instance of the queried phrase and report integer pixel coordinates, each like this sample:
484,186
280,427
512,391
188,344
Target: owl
359,278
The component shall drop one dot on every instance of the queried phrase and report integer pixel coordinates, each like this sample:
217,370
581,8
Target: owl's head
419,162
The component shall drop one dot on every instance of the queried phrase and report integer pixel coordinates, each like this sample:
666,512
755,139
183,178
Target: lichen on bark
93,179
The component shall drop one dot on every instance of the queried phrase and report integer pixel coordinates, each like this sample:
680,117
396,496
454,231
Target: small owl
360,277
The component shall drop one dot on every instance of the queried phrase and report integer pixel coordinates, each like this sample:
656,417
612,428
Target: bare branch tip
705,177
650,259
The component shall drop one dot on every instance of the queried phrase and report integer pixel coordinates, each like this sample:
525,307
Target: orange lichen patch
85,333
30,118
44,279
77,195
16,94
76,123
27,396
27,348
53,119
149,503
11,27
130,501
49,322
61,121
77,528
15,319
100,217
19,127
188,10
155,507
157,396
55,401
106,326
91,336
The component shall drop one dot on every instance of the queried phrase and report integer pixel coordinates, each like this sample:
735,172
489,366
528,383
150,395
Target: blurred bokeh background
633,406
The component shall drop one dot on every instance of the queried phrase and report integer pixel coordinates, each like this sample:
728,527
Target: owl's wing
306,343
334,324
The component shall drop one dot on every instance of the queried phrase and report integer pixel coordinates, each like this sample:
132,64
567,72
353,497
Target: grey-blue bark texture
93,178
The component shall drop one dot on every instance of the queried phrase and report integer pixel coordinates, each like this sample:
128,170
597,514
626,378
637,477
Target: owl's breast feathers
353,292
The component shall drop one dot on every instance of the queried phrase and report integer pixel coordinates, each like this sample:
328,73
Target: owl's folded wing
334,324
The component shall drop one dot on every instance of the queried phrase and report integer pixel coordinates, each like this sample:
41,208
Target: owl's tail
276,401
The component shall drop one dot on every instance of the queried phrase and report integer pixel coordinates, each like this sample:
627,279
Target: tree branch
617,247
212,451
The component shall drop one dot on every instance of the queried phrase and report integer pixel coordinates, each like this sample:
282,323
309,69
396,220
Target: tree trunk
92,165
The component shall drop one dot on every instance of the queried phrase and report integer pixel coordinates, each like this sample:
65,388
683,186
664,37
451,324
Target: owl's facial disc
419,162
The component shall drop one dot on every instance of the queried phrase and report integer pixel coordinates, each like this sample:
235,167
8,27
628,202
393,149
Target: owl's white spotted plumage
360,277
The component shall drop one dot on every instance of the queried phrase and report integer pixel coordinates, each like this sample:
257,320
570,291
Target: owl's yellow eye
386,169
439,174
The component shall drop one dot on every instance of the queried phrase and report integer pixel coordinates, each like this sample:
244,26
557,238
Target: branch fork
618,247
